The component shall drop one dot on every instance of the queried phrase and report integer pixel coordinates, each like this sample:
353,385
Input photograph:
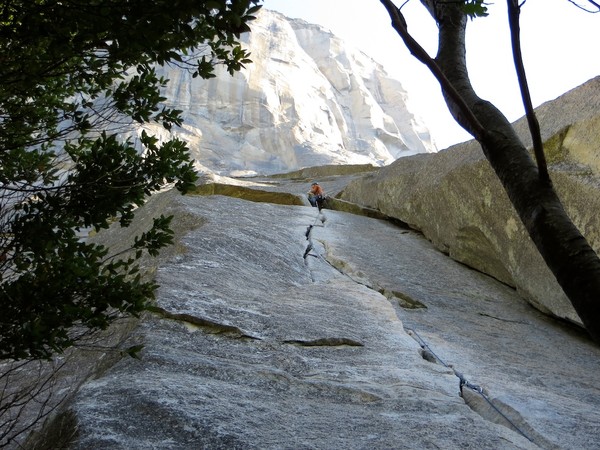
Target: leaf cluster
76,76
475,8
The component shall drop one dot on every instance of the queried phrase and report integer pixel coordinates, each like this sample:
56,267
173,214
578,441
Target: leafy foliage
475,8
75,77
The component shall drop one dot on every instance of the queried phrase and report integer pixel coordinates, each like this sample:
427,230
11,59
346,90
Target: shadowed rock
246,193
457,202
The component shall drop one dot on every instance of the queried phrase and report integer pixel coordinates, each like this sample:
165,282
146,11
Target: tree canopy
76,76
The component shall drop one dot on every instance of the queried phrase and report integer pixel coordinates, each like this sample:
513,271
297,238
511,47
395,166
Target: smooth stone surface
279,352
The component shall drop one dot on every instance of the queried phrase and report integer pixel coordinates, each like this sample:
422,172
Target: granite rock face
307,99
455,199
361,344
359,334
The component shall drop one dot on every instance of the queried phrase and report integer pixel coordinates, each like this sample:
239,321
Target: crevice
207,325
498,412
478,399
404,300
504,320
427,356
325,342
474,396
337,204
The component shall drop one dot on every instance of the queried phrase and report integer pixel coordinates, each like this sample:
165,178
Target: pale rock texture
456,200
307,99
361,342
356,346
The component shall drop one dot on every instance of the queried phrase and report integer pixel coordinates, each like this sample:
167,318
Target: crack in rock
209,326
428,356
325,342
478,399
504,320
404,300
498,412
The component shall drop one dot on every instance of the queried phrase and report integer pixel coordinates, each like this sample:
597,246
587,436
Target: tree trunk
567,253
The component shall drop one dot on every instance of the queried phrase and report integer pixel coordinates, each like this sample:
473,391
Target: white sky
560,45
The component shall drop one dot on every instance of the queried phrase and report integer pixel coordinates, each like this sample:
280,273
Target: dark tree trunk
566,252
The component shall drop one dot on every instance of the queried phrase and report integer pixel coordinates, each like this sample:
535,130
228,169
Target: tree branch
597,5
399,24
514,11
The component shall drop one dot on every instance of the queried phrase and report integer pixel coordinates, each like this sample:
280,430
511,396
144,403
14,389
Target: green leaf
475,8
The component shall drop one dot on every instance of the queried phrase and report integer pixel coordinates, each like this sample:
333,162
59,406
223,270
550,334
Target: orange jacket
316,190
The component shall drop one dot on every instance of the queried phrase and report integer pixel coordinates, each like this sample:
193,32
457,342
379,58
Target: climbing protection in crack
490,409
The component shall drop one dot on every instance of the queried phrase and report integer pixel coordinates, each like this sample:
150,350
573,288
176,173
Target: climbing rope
463,382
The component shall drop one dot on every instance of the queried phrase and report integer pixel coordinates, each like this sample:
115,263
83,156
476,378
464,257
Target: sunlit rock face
306,100
360,343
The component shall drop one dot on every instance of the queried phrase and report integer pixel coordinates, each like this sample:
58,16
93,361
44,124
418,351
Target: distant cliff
306,100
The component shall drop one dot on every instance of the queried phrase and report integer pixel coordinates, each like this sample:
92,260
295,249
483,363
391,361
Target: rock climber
316,195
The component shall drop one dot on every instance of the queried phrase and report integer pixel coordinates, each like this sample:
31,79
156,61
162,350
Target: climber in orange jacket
316,195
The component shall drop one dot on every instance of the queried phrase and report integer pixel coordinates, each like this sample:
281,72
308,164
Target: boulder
456,200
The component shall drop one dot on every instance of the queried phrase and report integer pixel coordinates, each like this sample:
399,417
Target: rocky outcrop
455,199
307,99
370,338
366,342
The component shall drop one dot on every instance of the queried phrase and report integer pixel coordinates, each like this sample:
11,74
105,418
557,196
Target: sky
559,44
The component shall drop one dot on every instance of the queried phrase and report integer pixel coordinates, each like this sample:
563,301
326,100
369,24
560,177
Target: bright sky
559,44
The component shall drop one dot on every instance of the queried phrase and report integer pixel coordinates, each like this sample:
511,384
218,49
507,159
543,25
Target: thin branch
597,5
514,11
28,397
